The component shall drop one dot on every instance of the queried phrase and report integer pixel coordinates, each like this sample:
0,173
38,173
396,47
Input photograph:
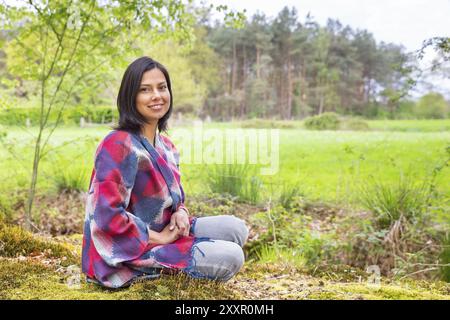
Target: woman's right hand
166,236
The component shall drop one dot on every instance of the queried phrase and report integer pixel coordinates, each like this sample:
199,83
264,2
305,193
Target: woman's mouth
156,107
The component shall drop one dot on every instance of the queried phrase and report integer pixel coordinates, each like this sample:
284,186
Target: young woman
136,222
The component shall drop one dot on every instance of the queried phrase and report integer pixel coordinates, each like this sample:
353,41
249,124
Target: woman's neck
149,131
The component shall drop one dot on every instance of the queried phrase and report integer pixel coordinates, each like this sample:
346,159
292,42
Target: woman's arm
118,235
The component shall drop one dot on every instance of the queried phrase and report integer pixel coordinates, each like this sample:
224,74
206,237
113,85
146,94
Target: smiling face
153,98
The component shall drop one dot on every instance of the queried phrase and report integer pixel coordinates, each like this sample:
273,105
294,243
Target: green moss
387,292
27,279
14,242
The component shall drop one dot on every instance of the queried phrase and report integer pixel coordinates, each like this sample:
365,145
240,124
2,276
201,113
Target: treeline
287,69
278,68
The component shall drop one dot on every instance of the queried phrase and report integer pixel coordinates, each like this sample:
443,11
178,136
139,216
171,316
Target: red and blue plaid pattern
134,187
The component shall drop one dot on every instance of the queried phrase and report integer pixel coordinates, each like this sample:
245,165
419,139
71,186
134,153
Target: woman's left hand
180,219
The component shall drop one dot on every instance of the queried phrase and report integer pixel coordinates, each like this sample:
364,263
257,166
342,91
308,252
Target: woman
136,222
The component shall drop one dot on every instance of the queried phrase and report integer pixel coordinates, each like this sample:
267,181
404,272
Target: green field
328,166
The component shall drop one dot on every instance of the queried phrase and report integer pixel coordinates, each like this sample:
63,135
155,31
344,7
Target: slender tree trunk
289,91
244,78
258,63
321,100
234,69
32,189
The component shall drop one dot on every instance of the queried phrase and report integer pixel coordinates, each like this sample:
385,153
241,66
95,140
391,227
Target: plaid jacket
134,187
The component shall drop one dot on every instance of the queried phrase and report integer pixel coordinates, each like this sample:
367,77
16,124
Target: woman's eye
163,88
144,89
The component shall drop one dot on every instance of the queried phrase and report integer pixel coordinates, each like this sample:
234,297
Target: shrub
324,121
356,125
432,106
71,115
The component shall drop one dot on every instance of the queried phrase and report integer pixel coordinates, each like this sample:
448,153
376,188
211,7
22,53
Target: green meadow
328,166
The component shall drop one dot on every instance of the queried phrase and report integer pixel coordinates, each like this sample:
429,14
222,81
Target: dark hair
129,118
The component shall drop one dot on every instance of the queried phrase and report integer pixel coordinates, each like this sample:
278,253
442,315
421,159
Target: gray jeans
222,257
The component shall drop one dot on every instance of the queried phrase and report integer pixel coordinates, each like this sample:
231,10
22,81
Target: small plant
391,202
70,176
271,254
237,180
290,196
324,121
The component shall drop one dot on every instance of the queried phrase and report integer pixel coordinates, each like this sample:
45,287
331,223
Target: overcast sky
406,22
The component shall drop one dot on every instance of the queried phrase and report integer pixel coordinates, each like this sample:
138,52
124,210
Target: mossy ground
35,268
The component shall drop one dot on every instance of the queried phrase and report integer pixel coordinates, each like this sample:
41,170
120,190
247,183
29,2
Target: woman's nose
156,95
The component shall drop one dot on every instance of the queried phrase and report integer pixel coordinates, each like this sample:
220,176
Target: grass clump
240,181
324,121
390,202
70,176
271,254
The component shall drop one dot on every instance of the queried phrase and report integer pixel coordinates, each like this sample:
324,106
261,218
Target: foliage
354,124
391,202
71,116
325,121
432,106
290,231
70,176
240,181
270,255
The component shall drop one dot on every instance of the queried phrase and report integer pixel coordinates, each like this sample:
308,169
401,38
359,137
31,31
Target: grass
329,165
270,255
240,181
390,202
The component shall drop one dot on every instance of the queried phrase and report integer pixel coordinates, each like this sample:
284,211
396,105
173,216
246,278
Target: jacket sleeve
118,235
176,156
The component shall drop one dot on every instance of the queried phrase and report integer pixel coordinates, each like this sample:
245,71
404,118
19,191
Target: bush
356,125
432,106
70,115
324,121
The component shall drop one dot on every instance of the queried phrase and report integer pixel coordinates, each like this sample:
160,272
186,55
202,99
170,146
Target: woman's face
153,98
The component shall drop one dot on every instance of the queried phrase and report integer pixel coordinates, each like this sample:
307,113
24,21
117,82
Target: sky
406,22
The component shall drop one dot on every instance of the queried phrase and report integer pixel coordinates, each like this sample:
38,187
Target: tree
432,106
61,45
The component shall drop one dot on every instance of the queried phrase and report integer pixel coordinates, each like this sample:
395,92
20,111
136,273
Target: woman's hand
166,236
169,235
180,222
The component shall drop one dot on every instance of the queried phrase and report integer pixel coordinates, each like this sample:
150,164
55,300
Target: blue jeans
222,257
